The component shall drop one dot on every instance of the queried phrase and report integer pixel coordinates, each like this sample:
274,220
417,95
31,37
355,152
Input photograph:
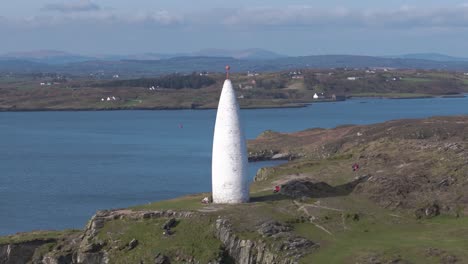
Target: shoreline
292,105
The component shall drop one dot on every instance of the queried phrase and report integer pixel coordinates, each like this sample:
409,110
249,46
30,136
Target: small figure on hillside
277,189
355,167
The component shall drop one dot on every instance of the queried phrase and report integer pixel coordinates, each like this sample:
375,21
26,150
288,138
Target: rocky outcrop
277,243
262,155
429,211
299,189
81,248
91,250
19,253
287,249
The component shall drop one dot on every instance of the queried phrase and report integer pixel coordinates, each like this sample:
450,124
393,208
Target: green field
417,80
390,237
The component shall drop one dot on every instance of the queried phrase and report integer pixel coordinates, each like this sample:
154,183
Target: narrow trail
301,207
324,207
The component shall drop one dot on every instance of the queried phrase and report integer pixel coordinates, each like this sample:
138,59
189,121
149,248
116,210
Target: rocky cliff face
17,253
287,249
87,248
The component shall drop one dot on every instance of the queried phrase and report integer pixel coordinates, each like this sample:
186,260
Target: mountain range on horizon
63,57
211,60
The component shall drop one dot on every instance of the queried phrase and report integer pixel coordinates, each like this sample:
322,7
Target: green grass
439,75
43,235
191,202
387,237
416,80
132,102
192,238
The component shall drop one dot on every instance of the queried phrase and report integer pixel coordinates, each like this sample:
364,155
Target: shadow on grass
269,198
302,188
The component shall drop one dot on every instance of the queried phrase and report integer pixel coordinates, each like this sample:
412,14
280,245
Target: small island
404,202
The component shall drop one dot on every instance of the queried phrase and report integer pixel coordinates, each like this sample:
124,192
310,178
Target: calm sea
58,168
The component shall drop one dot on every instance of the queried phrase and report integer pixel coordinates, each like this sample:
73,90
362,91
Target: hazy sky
293,27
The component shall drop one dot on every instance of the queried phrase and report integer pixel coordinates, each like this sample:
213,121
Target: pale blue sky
294,27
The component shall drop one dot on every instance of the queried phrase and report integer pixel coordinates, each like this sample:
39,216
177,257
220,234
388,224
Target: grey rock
271,228
169,224
161,259
258,251
429,211
133,244
281,156
20,252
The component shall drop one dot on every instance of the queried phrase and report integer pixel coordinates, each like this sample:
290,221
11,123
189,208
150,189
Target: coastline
299,105
291,105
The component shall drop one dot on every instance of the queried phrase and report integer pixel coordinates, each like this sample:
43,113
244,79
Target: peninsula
405,202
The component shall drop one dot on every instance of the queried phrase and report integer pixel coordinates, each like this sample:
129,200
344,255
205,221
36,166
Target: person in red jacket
277,189
355,167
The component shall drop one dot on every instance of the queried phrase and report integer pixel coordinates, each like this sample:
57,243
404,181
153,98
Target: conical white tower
229,162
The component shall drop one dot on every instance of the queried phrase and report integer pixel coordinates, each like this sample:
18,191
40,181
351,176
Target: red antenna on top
228,68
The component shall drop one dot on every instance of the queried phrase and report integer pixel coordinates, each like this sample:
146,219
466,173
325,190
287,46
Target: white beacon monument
229,163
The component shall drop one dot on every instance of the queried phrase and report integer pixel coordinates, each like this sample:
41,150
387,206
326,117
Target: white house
316,96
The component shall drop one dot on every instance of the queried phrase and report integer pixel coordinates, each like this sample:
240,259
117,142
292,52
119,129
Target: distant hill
430,56
142,56
187,64
22,66
46,56
62,57
248,54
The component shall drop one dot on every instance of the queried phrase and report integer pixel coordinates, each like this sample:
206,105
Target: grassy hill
406,204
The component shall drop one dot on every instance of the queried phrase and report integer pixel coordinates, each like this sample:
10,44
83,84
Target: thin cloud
158,18
257,18
72,6
162,17
348,18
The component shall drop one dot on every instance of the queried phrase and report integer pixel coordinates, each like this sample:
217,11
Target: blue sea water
58,168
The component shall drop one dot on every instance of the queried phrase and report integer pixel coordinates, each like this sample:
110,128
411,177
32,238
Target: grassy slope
386,233
191,239
388,237
390,150
380,232
31,236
